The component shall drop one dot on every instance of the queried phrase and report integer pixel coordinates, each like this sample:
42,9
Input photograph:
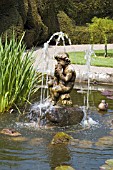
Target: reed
18,78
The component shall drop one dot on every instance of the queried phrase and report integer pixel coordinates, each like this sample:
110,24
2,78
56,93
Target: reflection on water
92,145
59,154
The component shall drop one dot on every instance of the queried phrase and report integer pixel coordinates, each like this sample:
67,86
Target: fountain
55,106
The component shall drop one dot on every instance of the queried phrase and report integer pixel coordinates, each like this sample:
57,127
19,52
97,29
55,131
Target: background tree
101,28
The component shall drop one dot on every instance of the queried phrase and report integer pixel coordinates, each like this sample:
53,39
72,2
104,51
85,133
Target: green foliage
81,35
73,16
65,23
100,27
74,32
38,18
99,31
82,11
18,79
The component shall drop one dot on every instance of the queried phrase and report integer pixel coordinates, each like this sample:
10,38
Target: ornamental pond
92,147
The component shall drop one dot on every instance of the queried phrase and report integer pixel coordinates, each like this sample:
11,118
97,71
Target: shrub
66,24
81,35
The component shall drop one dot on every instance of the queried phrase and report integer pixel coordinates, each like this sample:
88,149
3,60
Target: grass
96,60
18,78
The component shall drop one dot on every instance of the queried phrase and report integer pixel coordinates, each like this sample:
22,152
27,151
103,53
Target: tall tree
102,27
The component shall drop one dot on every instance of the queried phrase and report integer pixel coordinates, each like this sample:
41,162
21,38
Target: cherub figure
63,81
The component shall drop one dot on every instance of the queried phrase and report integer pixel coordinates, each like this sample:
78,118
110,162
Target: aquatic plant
18,78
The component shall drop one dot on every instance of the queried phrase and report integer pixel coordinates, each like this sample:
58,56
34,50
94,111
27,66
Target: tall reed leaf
18,78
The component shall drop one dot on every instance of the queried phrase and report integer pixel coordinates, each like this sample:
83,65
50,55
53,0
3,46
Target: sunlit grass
18,78
96,60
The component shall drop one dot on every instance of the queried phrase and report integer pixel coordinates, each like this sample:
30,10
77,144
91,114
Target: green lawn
98,60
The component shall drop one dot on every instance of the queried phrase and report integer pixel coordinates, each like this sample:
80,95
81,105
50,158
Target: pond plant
18,78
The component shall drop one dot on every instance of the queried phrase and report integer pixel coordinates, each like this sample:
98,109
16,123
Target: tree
101,27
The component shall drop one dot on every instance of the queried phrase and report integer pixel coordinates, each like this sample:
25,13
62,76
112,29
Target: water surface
33,150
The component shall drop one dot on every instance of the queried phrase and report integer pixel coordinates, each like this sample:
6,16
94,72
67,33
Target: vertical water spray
88,53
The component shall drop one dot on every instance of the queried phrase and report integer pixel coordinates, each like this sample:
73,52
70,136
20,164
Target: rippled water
33,150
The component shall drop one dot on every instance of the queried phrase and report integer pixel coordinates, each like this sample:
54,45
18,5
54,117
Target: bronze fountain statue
60,85
60,110
63,81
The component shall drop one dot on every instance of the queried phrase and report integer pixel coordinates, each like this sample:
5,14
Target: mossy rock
64,167
61,138
108,165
